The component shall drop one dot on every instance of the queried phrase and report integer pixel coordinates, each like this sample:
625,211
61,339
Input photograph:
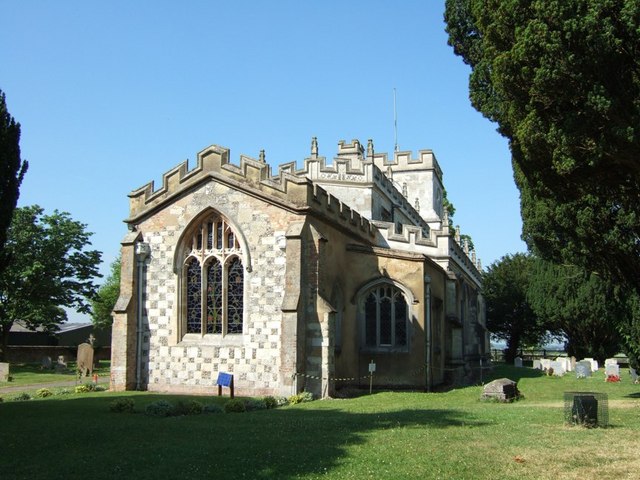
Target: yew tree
50,268
12,170
561,78
510,317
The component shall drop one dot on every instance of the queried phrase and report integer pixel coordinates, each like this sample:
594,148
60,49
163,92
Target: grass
32,373
387,435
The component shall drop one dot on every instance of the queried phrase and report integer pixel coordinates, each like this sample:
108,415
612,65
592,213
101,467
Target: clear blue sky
112,94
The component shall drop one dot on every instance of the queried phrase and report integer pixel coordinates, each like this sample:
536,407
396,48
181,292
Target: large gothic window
213,279
385,318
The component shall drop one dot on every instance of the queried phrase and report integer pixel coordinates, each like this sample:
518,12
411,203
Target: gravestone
546,363
517,362
566,363
594,364
85,359
4,372
583,369
634,375
46,363
502,390
573,363
537,364
612,370
558,368
61,366
610,361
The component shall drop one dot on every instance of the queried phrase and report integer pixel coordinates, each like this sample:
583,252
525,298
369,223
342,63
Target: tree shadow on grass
513,373
75,435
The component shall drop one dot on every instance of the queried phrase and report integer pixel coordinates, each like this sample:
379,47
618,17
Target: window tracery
213,279
385,318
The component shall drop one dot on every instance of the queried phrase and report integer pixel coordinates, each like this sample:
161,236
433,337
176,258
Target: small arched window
386,318
213,279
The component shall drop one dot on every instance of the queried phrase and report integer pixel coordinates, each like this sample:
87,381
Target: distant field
387,435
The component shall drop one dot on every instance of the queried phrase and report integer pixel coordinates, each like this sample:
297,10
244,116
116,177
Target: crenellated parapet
404,162
295,192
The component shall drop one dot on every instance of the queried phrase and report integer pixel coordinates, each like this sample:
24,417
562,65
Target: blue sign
224,379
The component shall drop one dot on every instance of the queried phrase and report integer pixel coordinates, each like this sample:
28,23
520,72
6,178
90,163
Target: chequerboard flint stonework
297,280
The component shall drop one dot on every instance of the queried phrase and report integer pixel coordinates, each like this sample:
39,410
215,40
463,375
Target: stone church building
297,280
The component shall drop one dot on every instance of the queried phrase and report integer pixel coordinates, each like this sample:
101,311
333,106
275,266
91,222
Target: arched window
386,318
213,279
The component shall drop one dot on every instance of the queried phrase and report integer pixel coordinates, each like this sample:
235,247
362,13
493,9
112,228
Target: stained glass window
214,293
235,296
385,318
214,297
194,297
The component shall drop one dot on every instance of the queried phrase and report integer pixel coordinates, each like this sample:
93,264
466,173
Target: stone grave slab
546,363
537,364
612,370
502,390
85,359
634,375
517,362
47,364
558,368
610,361
4,372
583,369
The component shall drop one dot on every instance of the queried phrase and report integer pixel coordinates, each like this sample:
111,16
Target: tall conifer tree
12,170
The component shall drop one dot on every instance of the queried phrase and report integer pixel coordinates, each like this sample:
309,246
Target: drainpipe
142,253
427,353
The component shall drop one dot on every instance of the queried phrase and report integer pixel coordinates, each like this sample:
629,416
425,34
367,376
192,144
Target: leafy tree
509,314
12,171
50,268
102,305
561,79
582,305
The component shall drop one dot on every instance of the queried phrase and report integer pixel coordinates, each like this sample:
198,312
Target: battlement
290,190
404,162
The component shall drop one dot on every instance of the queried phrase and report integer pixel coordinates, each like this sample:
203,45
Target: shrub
1,400
43,393
122,405
190,407
251,404
301,398
99,388
213,408
235,406
282,401
82,389
22,397
161,408
64,391
270,402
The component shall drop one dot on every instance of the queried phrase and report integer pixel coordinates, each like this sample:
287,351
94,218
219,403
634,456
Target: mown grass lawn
387,435
31,373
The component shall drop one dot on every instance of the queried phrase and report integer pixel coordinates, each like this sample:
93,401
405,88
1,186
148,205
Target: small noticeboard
225,380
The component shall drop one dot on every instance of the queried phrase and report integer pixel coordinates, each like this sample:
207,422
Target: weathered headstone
583,369
594,364
634,375
610,361
566,363
502,390
85,359
610,370
537,364
546,363
558,368
61,366
573,363
4,372
517,362
46,363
